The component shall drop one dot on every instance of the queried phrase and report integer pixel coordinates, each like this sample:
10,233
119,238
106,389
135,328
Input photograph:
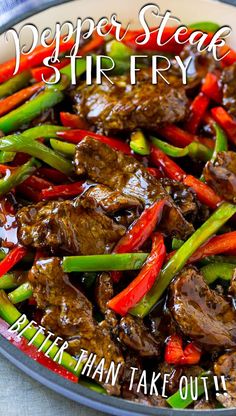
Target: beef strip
110,201
226,366
232,288
69,314
66,226
176,372
128,176
103,291
112,108
221,175
134,334
229,88
200,312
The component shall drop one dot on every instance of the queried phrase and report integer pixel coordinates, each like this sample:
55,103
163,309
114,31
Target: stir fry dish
117,213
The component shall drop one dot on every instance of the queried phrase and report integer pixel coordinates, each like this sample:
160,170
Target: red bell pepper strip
32,352
46,72
53,175
230,58
73,121
169,167
175,354
33,59
211,87
96,42
205,194
182,138
227,123
142,229
63,191
12,258
139,232
135,291
29,193
75,136
18,98
197,110
223,243
37,183
155,172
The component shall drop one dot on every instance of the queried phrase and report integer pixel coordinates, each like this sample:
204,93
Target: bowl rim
82,395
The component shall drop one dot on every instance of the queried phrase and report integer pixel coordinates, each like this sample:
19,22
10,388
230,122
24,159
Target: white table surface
20,395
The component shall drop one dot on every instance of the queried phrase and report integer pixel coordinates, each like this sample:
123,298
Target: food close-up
118,214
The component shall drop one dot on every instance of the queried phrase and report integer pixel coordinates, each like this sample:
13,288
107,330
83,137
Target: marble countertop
22,396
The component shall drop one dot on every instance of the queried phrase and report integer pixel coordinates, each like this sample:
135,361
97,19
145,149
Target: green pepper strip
139,144
178,402
14,84
18,176
6,157
92,386
104,262
118,51
10,314
30,110
221,145
205,26
9,281
46,131
48,98
21,293
214,271
24,143
67,149
218,259
176,243
179,259
195,150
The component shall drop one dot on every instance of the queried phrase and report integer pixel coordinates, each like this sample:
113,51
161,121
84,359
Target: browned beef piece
134,334
110,201
221,175
68,313
175,373
200,312
128,176
201,63
204,404
226,366
103,291
232,288
229,88
66,226
112,108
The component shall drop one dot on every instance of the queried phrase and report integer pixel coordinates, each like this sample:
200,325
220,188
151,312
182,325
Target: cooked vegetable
75,136
133,293
14,84
181,400
139,143
177,262
104,262
214,271
11,259
227,123
18,176
197,111
195,150
175,354
21,293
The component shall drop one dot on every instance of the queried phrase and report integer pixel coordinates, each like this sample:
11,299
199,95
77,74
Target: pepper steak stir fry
118,218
